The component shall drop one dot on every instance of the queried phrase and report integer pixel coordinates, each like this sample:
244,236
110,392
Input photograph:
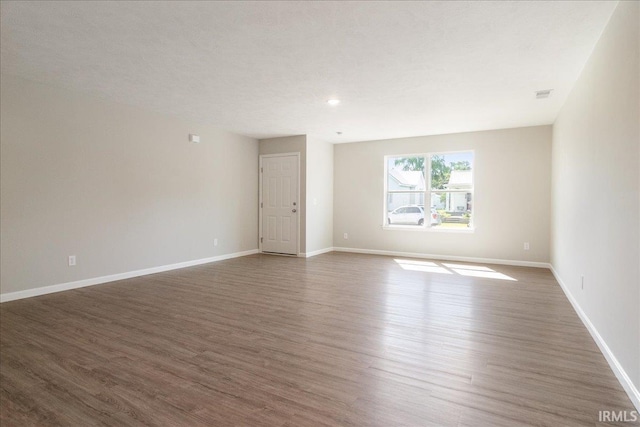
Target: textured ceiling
266,69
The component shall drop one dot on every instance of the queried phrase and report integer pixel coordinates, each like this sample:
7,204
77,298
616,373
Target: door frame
260,172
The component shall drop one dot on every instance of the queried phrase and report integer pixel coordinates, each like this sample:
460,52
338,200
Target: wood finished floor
337,339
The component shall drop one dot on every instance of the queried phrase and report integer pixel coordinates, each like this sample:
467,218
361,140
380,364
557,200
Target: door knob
293,210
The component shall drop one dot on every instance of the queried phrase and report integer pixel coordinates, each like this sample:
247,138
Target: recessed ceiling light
333,102
541,94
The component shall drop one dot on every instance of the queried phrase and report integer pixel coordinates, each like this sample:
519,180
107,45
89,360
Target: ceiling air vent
541,94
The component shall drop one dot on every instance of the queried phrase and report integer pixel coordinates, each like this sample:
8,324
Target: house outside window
443,179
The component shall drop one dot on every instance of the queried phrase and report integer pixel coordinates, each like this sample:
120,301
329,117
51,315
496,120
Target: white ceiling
266,69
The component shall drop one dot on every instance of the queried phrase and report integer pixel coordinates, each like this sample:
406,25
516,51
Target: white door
280,204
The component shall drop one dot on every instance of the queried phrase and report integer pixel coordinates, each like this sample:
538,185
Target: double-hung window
432,190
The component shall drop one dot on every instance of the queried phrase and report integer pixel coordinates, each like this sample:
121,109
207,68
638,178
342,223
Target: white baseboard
11,296
445,257
314,253
617,369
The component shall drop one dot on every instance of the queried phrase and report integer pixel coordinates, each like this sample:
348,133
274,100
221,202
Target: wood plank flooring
334,340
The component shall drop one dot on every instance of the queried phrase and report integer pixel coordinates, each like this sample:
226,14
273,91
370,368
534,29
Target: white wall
596,188
319,195
511,200
120,188
293,144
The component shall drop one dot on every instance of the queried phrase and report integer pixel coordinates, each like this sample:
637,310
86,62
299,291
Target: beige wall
511,205
293,144
595,216
319,195
120,188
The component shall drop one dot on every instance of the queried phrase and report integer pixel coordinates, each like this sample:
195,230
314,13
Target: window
444,180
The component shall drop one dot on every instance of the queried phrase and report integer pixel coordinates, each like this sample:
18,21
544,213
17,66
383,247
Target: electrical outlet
582,282
345,236
215,242
526,246
72,260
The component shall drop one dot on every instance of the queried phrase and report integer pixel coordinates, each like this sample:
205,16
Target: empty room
319,213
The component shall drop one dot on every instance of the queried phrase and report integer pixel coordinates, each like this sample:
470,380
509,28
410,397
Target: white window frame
427,194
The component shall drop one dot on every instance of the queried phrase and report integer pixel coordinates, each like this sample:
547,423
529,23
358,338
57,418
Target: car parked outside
412,215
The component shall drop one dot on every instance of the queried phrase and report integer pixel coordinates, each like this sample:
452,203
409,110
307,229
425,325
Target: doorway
280,203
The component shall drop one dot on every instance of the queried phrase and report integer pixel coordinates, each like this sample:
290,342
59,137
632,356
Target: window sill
469,230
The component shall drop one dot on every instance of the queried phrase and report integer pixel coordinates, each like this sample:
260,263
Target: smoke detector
541,94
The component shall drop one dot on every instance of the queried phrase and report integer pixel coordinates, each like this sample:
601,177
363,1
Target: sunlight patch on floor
484,274
467,267
446,268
